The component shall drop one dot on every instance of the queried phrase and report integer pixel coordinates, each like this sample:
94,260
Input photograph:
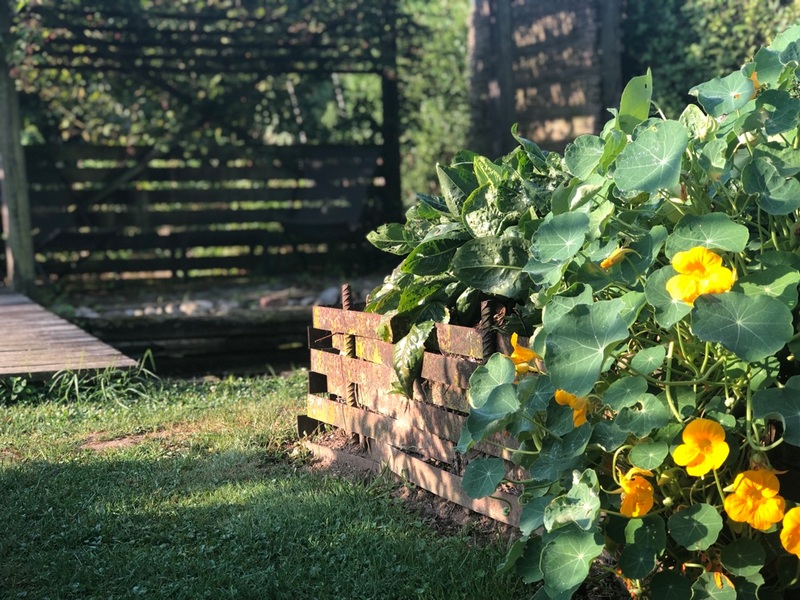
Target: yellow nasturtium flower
522,357
578,406
637,493
704,447
700,271
755,499
790,534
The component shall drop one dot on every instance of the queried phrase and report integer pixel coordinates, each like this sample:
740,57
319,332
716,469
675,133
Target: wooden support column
390,92
610,56
14,201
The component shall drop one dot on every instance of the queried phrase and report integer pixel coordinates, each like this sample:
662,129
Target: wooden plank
57,198
39,343
351,369
452,339
347,175
399,433
430,478
347,321
344,153
447,485
336,222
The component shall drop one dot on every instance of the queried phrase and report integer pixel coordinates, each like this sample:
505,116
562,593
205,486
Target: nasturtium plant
648,280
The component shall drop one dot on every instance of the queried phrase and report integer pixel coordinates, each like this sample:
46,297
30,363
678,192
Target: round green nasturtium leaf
776,194
669,585
608,436
768,66
783,404
500,404
652,161
648,455
778,282
577,343
528,564
561,304
715,231
752,327
532,515
535,394
625,392
579,506
513,555
713,586
583,155
647,531
493,265
783,157
668,310
560,456
567,558
497,371
724,95
482,476
648,414
560,238
696,527
648,360
783,111
743,557
645,252
637,561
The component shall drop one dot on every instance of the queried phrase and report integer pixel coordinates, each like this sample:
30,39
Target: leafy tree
683,40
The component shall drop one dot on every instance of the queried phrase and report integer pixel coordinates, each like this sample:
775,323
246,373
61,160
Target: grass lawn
191,492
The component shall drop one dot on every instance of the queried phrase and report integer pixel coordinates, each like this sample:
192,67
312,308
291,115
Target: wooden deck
36,343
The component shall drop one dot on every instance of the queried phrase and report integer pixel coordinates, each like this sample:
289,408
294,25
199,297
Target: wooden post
21,271
610,55
505,112
392,210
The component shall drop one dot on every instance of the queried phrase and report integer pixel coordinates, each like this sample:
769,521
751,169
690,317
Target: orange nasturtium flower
755,499
637,493
700,271
615,257
790,534
704,447
578,406
522,357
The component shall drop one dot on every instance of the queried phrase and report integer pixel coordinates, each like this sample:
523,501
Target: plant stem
667,391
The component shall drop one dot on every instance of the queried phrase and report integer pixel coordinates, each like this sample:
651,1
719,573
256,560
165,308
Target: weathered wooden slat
399,433
344,153
452,339
322,196
352,370
345,321
447,485
36,342
344,216
362,175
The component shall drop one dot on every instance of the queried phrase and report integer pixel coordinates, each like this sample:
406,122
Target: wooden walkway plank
36,343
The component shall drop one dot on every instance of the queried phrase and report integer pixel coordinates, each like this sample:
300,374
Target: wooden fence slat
448,486
381,428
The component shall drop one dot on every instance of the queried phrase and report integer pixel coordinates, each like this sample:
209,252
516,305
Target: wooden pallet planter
415,438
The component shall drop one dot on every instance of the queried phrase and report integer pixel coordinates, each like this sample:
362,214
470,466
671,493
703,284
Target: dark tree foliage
685,41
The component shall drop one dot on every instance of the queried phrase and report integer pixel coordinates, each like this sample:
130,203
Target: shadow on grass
224,525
